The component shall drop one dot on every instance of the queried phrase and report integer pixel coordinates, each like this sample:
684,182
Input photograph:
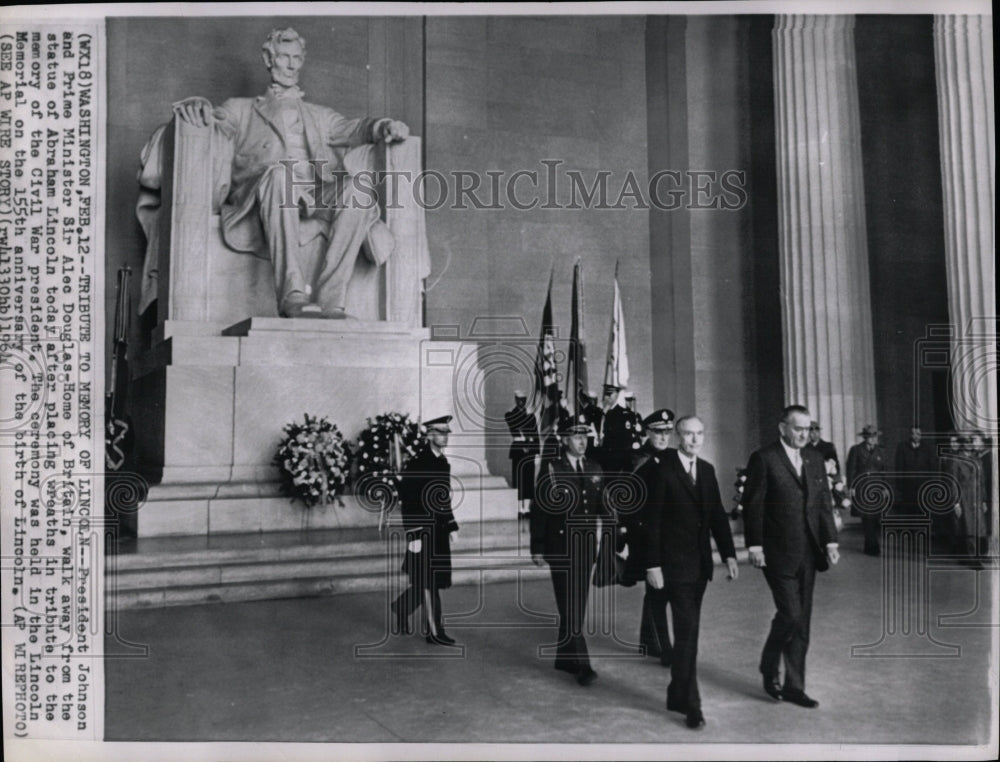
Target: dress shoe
402,620
772,687
800,699
676,706
441,639
695,719
649,650
586,676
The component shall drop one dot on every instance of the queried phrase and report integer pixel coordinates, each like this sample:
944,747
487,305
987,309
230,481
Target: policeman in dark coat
654,633
565,521
866,458
524,446
425,494
621,438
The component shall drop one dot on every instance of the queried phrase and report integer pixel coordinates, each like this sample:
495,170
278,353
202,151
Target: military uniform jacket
565,500
522,423
425,493
678,517
621,439
787,513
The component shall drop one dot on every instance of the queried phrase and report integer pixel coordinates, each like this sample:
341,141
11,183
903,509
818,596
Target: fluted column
963,51
826,309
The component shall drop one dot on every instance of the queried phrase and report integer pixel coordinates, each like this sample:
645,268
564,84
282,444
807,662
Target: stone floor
324,670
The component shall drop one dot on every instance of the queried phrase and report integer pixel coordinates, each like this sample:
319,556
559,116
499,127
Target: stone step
188,570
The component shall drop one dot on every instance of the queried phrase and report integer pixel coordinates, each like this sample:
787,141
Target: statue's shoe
333,313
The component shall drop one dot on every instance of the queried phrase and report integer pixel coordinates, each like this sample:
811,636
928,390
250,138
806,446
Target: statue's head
284,52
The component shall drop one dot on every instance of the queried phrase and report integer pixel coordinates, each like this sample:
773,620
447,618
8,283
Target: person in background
523,447
916,462
867,457
824,448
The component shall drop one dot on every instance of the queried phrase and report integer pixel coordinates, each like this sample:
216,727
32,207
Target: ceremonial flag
576,372
616,368
546,375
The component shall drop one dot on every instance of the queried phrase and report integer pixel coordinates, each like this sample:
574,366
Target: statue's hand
393,131
197,111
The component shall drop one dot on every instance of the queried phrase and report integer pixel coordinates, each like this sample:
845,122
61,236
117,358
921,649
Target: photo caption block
51,374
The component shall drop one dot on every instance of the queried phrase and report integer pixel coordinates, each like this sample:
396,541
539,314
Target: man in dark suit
654,632
916,462
683,507
565,521
425,494
790,534
816,442
523,447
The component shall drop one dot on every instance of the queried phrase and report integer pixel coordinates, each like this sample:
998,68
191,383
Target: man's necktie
691,471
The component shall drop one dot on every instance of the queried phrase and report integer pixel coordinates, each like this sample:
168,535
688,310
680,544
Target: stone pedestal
826,308
211,402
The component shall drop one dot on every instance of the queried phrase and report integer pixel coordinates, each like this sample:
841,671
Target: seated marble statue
295,179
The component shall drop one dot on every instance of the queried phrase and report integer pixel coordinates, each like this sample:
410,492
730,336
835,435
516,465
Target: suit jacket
679,516
425,495
565,499
785,513
257,130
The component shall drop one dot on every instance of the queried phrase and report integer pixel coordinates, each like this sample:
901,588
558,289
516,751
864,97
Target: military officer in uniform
864,458
425,494
565,521
621,437
654,632
523,448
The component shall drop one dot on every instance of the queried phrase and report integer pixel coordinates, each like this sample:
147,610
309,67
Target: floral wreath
313,460
383,447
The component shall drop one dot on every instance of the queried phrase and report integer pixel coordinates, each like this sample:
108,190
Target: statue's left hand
393,131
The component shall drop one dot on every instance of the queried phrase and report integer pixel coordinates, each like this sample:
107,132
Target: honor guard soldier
595,419
425,493
621,437
565,521
524,446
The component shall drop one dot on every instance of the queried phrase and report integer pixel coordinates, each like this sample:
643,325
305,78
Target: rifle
117,424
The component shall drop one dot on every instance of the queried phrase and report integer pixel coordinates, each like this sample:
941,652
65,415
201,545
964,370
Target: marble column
963,50
826,308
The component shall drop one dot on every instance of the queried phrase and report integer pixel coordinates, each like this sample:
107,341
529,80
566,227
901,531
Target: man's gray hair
282,35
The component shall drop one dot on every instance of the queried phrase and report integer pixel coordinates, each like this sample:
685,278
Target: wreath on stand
313,461
383,447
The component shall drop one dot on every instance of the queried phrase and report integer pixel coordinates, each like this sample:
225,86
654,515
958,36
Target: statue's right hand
196,111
